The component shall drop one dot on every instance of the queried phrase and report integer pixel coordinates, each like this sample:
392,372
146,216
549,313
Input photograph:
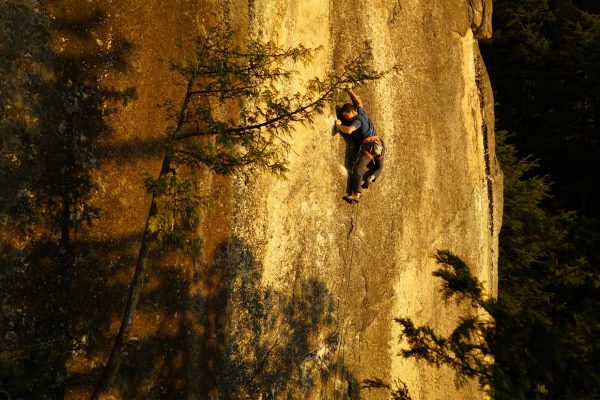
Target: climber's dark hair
348,107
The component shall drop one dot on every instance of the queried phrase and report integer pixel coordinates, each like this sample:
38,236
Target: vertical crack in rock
479,71
394,12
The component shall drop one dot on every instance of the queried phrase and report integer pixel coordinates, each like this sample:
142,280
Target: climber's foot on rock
352,198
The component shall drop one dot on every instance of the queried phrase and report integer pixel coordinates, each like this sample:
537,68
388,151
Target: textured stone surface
296,292
441,189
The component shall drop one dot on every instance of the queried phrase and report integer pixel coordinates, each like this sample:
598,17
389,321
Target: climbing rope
345,284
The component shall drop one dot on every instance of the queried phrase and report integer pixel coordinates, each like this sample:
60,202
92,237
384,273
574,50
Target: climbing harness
373,147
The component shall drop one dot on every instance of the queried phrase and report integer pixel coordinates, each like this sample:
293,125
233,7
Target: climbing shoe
352,198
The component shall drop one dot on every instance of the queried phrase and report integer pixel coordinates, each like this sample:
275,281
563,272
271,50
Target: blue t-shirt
362,123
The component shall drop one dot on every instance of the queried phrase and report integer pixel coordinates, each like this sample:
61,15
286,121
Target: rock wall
440,190
296,291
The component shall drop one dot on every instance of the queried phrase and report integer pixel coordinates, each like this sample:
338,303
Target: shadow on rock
53,110
270,343
212,331
219,332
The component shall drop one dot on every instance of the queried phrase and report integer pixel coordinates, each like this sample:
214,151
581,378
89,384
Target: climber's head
349,111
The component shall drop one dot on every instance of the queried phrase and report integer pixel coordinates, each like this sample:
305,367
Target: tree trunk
116,354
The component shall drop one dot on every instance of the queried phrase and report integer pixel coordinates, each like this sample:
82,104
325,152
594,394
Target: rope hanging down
345,284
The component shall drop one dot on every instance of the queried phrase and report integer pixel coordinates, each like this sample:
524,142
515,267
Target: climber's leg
377,171
358,170
373,173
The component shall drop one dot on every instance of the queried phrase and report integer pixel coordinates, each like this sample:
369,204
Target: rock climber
371,146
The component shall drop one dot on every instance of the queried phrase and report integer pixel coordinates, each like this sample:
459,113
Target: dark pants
360,167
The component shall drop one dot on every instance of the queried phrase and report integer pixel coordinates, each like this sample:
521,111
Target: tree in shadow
236,339
158,356
468,350
53,110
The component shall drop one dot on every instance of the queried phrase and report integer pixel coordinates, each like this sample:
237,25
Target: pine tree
542,331
544,63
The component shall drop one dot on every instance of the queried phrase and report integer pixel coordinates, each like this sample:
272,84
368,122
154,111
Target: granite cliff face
296,291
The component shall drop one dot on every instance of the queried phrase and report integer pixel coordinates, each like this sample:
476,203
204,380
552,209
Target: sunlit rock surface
296,290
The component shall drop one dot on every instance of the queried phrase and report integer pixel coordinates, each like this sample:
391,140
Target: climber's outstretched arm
355,99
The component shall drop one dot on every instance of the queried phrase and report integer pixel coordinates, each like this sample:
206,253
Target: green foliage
529,232
178,206
250,81
524,222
